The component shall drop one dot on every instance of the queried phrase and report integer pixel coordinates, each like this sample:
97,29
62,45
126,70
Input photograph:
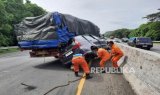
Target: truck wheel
138,46
148,48
56,56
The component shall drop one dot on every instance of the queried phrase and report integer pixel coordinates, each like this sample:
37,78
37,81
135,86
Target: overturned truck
51,33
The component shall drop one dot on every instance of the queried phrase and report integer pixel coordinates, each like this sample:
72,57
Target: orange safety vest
103,54
116,50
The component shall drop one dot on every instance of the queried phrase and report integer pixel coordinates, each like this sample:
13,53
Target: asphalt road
17,68
156,48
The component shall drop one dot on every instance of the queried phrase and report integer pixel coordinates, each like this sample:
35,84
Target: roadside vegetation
150,29
119,33
156,43
9,50
12,12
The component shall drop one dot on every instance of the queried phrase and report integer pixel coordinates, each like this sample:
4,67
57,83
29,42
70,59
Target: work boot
119,70
104,71
76,74
88,76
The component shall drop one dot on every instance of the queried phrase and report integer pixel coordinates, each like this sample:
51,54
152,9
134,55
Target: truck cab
141,42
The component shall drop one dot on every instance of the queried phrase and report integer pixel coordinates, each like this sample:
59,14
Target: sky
108,15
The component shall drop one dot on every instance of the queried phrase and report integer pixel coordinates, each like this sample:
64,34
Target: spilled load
50,33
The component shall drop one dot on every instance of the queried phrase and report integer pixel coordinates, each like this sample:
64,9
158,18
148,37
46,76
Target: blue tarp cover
51,29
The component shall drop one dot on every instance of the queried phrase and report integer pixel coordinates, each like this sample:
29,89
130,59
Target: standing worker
79,60
116,53
102,54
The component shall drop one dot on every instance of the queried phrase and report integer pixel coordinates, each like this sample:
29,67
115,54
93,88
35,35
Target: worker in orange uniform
79,60
102,54
116,53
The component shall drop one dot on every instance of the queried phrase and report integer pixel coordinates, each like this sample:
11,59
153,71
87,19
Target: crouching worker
79,60
102,54
116,53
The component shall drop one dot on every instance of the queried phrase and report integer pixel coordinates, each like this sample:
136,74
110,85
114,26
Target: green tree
34,9
150,29
12,12
119,33
154,17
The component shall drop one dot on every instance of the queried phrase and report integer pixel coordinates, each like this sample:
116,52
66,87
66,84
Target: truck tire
148,48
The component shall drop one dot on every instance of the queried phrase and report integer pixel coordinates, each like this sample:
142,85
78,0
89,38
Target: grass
156,43
9,50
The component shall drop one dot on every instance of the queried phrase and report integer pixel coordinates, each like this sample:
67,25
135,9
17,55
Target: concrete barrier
146,64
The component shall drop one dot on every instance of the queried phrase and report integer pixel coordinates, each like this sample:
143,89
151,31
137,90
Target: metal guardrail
156,41
8,47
